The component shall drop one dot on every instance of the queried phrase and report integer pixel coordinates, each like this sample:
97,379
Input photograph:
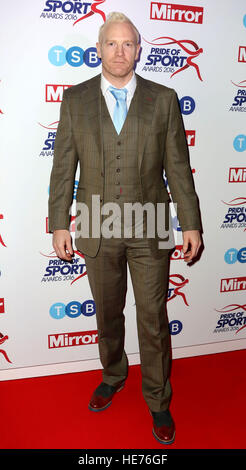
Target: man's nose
120,49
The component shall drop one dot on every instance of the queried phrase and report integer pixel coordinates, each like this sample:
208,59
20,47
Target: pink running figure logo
1,240
178,281
2,340
94,10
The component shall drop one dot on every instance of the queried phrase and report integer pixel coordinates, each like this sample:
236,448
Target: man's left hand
191,244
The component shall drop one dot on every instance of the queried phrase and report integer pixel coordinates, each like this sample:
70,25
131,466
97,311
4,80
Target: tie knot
119,94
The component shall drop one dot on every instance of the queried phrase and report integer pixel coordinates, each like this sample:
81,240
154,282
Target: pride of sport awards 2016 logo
172,56
232,318
235,216
239,100
72,10
57,270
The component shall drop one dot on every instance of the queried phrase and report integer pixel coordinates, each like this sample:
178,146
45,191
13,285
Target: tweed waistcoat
122,181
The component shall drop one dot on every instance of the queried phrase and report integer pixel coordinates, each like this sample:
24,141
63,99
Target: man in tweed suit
124,165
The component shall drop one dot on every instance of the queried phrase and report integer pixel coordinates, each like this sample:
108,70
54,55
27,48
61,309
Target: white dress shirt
109,98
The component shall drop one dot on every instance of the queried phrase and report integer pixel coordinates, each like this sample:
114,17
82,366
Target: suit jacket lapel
146,100
92,105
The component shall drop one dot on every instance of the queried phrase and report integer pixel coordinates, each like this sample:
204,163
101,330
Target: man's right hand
62,244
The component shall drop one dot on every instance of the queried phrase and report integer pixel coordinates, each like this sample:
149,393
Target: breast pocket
155,142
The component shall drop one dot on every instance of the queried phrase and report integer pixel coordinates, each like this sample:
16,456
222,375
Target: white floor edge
80,366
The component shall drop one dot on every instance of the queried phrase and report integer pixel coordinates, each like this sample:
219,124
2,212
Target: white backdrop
206,304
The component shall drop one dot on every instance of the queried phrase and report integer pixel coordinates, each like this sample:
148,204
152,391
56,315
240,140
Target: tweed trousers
107,275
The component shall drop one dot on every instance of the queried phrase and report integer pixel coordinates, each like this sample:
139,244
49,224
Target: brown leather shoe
102,396
163,426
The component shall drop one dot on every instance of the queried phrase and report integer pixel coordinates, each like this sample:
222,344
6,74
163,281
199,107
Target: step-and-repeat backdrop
47,313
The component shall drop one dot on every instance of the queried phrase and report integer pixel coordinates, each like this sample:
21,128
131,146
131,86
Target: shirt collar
130,86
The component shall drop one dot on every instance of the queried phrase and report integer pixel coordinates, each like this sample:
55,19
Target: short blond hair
117,17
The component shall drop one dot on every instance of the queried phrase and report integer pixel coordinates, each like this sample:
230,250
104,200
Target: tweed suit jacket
161,145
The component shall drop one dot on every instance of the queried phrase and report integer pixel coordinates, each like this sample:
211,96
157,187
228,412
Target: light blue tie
120,110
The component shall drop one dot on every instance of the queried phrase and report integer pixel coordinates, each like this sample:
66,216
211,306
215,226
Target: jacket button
102,174
119,142
118,170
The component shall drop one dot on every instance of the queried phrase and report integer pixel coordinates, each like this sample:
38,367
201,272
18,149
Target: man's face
118,50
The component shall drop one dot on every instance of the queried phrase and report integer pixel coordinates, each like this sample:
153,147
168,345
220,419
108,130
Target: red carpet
208,407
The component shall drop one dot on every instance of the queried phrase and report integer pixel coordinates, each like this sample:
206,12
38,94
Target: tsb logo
74,56
232,255
187,105
239,143
73,310
175,327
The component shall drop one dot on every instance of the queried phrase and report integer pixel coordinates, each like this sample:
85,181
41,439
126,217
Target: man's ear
98,50
137,52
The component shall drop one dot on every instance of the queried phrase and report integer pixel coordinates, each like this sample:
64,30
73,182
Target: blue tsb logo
232,255
73,309
239,143
74,56
175,327
187,105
